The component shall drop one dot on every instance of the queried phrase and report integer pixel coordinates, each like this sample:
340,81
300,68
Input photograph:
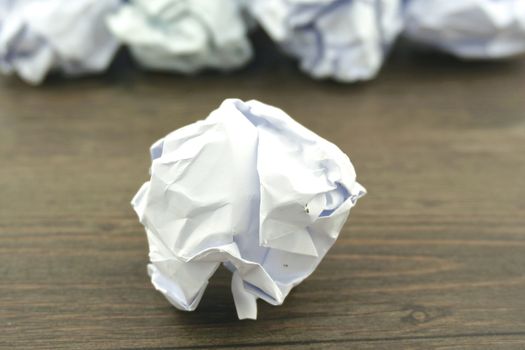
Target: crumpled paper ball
247,187
474,29
345,40
37,37
184,36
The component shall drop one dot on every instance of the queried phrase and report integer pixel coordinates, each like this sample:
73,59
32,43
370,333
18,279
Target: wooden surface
432,258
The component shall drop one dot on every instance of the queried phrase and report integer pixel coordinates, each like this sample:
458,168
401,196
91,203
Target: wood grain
432,258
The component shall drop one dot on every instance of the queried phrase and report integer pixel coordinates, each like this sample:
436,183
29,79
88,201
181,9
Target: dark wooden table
432,258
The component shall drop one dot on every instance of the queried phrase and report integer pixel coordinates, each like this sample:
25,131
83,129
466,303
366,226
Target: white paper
37,37
474,29
248,187
184,36
4,8
343,40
